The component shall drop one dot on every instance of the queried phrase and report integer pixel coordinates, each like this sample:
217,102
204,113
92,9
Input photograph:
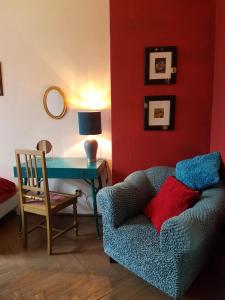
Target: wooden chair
36,198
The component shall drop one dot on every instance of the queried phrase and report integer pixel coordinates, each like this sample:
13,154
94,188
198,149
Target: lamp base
91,147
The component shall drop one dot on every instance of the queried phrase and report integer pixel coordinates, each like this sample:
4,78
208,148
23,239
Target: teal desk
75,168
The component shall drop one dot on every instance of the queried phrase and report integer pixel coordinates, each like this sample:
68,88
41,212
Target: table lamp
90,124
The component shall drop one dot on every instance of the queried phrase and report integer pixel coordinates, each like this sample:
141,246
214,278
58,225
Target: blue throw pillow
199,172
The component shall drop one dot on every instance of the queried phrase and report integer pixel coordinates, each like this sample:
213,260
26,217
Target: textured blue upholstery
199,172
169,261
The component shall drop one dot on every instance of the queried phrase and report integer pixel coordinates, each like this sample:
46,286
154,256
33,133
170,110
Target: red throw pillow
7,189
173,198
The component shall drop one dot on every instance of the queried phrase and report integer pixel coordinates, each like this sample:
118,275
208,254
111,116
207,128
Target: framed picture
160,65
1,86
159,112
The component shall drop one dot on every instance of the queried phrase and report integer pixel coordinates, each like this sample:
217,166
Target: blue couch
169,261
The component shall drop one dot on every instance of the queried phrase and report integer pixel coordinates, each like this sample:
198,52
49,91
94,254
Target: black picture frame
159,112
160,65
1,85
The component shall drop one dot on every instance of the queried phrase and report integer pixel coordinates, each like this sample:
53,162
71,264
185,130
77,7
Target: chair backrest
31,167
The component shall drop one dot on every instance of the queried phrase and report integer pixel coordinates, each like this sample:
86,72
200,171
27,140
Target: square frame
1,85
160,65
159,112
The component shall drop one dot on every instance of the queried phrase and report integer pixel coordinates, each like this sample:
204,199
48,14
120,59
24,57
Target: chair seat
56,199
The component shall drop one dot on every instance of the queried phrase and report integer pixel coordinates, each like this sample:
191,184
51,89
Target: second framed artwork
159,112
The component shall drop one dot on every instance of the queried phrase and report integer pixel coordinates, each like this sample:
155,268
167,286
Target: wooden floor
79,270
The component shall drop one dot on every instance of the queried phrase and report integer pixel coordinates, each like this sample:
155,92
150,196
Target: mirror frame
45,102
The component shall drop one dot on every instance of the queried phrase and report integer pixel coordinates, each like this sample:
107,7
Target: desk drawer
72,174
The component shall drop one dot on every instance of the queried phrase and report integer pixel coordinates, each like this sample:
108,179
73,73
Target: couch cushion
199,172
138,234
172,199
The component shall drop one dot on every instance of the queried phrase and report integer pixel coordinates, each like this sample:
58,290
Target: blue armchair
169,261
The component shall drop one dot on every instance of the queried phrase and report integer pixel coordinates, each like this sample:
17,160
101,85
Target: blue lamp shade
89,123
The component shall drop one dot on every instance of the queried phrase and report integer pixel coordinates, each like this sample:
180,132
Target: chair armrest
118,202
195,228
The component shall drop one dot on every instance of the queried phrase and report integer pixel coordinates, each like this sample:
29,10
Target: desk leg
95,207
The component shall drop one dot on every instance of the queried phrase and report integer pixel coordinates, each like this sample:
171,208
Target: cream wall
53,42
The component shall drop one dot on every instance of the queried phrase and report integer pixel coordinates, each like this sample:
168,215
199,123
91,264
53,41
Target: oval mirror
44,145
55,102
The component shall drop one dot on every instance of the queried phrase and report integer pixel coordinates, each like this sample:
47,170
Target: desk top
71,168
72,163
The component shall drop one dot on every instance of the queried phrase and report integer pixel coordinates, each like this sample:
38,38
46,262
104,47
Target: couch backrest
158,175
148,182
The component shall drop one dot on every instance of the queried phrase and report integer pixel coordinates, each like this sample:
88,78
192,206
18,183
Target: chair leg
75,221
19,218
49,233
24,228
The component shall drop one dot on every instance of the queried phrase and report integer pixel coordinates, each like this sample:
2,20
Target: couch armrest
118,202
195,229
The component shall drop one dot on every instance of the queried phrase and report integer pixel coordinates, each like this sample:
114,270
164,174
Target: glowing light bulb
91,97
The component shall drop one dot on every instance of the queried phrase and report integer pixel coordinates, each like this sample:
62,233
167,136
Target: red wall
218,112
189,25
